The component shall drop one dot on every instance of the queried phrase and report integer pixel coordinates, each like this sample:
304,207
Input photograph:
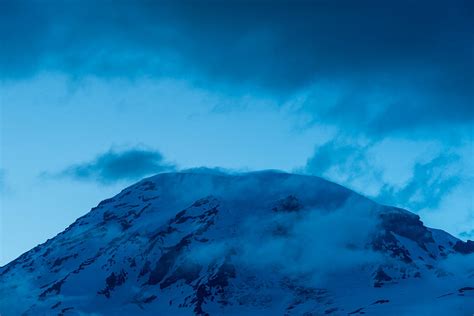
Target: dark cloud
393,65
112,166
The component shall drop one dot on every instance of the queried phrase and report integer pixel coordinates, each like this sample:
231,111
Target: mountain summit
260,243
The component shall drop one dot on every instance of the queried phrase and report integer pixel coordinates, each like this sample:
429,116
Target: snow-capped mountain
261,243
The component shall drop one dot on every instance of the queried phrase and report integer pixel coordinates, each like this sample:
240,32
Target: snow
264,243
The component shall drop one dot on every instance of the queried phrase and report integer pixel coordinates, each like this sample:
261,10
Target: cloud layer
371,66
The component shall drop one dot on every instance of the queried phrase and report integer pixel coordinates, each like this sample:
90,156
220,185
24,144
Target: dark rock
201,202
188,271
386,242
166,261
125,224
108,216
149,299
59,261
464,289
112,281
464,248
407,225
148,186
357,311
217,283
288,204
381,277
64,310
53,289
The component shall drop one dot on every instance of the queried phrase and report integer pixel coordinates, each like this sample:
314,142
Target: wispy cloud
353,164
430,183
113,166
263,241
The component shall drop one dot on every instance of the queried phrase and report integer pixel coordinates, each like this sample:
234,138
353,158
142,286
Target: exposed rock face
464,247
247,244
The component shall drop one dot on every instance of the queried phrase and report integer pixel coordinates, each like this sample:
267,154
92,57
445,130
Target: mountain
260,243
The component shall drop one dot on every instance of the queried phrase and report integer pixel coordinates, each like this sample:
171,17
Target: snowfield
260,243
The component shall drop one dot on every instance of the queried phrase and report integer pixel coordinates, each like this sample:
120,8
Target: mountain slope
206,243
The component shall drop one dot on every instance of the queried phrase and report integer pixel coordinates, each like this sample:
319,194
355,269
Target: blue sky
377,96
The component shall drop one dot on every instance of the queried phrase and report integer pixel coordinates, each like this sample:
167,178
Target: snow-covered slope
262,243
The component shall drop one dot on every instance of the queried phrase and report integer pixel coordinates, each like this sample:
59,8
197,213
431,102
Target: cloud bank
376,67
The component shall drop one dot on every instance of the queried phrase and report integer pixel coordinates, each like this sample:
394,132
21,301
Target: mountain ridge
204,243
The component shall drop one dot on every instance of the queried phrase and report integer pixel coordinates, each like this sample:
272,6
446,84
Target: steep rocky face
246,244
